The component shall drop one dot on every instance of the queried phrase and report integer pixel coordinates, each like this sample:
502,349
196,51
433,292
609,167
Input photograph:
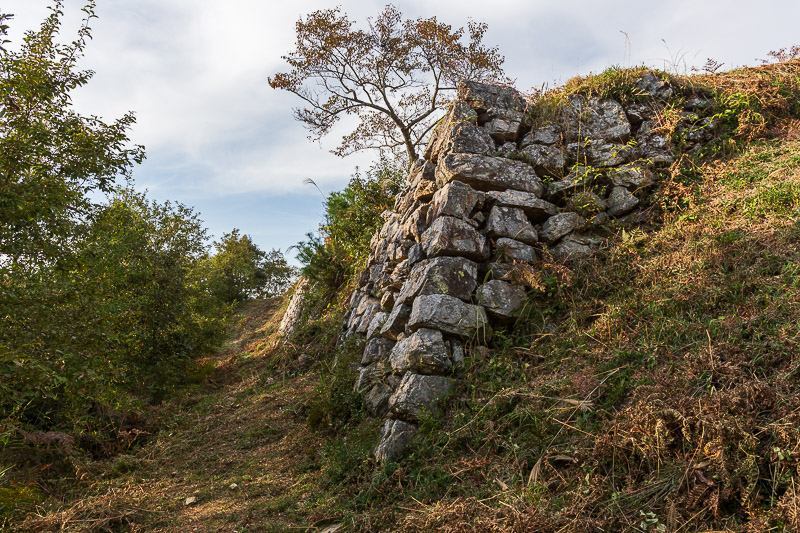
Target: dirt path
234,456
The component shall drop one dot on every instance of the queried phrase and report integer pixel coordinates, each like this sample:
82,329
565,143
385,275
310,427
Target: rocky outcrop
294,313
495,190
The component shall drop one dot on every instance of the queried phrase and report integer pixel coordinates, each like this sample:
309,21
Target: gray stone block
451,236
418,394
559,225
450,315
423,352
455,276
510,222
395,437
501,298
486,173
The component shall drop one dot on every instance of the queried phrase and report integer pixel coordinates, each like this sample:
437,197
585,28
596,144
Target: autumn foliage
394,76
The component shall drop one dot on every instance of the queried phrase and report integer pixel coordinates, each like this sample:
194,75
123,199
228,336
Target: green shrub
352,215
18,499
334,404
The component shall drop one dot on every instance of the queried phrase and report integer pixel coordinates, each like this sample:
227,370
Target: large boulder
534,207
501,110
505,126
550,134
455,199
639,112
425,190
395,436
419,394
441,141
421,170
593,118
546,160
377,349
559,225
510,222
465,138
486,173
454,237
448,314
621,202
454,276
398,250
376,276
501,298
424,352
490,99
510,250
575,246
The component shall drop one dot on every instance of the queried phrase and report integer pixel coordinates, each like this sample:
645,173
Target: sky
219,139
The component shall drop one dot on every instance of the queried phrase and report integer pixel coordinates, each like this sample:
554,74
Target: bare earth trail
230,457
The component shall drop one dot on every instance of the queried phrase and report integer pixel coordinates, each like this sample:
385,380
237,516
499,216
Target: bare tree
394,75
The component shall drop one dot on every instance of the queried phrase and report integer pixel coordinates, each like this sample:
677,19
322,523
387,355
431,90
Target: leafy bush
334,404
102,302
352,215
121,315
16,499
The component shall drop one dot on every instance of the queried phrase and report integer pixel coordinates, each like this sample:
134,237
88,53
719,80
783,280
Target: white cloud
195,71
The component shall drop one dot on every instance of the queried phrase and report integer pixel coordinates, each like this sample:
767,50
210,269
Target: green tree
277,274
51,156
99,300
122,319
240,270
146,255
395,75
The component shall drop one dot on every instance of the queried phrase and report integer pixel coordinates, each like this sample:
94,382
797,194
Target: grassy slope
652,388
659,390
244,425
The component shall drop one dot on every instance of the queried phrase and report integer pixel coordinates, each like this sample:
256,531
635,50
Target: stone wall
495,190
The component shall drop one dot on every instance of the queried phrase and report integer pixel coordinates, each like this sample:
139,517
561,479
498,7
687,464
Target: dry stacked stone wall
494,189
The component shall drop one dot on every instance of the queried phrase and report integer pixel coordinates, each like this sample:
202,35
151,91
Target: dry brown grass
667,392
657,384
242,427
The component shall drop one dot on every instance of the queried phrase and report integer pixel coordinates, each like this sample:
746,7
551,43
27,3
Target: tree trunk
410,150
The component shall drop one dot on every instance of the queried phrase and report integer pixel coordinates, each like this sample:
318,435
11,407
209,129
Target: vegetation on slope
651,388
648,389
107,299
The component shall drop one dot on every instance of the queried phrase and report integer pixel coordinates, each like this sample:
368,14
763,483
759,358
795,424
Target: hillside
649,386
238,443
